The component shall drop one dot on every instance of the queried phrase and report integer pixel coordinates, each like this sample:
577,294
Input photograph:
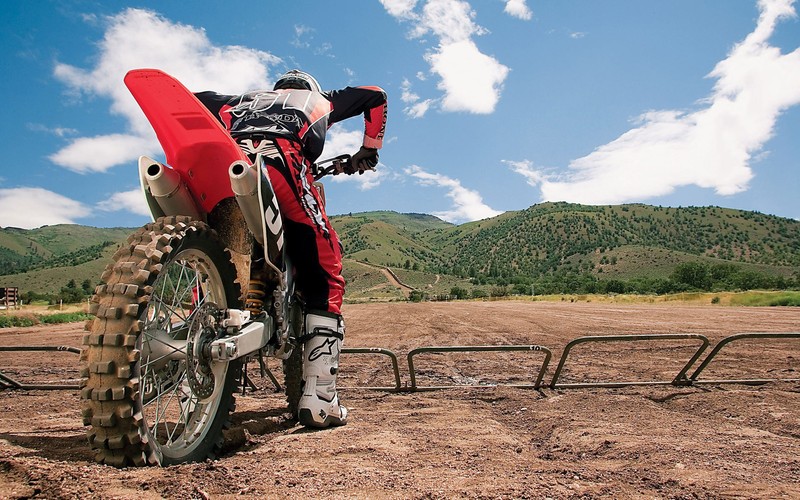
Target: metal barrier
503,348
377,350
679,380
7,382
727,340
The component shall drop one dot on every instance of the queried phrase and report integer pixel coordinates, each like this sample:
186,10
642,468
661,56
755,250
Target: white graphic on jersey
251,147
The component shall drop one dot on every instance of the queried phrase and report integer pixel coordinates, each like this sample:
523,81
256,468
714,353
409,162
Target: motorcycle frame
169,191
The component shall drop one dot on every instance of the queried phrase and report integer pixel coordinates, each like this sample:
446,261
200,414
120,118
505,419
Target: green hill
553,237
546,243
63,245
390,238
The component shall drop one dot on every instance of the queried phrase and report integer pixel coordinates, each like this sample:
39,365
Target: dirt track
656,441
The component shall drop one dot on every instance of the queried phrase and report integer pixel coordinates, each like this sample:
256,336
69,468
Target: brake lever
339,166
361,170
331,166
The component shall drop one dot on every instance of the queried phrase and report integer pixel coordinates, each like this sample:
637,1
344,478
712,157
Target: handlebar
334,166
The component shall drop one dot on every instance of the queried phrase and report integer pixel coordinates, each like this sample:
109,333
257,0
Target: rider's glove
364,159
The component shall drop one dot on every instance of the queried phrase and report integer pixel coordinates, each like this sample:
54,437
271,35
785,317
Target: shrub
478,293
65,317
22,320
18,320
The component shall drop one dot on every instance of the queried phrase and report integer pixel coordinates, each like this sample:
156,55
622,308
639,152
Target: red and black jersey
303,116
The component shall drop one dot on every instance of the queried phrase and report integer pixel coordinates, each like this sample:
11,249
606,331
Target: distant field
736,299
750,298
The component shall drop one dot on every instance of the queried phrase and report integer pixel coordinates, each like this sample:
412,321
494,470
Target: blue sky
494,105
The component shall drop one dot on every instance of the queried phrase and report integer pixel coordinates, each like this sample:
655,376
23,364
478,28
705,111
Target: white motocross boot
319,405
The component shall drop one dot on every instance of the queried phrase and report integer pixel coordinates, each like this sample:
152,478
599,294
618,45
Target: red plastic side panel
194,142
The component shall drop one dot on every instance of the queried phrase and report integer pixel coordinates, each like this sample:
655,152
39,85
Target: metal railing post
679,379
727,340
378,350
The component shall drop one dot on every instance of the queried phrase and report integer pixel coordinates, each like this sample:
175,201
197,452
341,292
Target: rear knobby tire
138,402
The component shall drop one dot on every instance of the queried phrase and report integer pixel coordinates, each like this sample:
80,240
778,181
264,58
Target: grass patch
767,299
65,317
26,319
18,320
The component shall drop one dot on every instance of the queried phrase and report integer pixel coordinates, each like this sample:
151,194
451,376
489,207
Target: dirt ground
711,440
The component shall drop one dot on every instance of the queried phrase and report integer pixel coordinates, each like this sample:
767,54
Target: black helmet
296,79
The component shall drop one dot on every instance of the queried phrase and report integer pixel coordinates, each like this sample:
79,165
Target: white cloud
324,49
711,147
406,95
467,204
415,108
518,8
368,180
470,80
131,201
525,168
98,154
403,9
418,109
300,32
138,38
450,20
30,207
340,141
57,131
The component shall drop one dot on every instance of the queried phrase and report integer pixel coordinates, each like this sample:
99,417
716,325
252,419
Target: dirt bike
164,355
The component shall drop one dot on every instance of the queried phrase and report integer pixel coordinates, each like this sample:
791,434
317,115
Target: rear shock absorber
257,289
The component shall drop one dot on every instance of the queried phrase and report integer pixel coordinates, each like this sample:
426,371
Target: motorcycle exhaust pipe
256,200
244,183
167,189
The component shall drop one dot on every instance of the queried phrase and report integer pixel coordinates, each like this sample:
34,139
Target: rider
287,126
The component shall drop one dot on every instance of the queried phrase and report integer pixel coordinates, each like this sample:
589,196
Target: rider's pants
311,242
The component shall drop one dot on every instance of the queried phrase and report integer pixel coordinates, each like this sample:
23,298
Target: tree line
70,293
687,277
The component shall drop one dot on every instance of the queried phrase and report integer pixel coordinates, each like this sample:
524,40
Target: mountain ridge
633,241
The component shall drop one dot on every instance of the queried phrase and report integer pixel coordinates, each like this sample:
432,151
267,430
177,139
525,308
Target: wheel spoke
174,398
178,417
163,403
